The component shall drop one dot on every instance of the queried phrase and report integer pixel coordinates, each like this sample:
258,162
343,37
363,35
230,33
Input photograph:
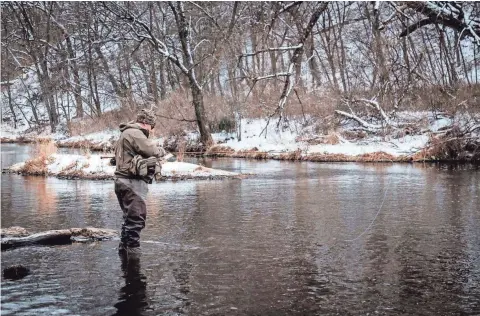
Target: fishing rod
166,157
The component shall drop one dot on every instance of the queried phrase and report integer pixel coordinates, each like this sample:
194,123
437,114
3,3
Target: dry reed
42,151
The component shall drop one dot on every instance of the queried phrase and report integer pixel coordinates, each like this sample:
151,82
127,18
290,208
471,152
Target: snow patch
91,165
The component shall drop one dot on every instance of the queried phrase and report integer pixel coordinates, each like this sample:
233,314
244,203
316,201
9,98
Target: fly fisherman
137,161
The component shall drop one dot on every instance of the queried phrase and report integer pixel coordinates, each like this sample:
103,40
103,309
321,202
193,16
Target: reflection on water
132,299
296,239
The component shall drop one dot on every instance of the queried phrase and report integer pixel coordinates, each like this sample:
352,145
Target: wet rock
16,272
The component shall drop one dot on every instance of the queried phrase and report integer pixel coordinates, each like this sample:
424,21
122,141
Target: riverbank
94,167
423,137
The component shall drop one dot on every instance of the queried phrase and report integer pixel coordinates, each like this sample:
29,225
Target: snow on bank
398,147
184,169
101,137
289,140
298,138
100,141
94,167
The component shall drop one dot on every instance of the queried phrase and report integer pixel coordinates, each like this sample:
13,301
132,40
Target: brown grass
370,157
199,168
181,150
376,157
252,153
332,138
70,166
108,120
329,158
41,151
72,174
87,146
220,151
36,166
295,155
450,146
354,135
225,151
441,99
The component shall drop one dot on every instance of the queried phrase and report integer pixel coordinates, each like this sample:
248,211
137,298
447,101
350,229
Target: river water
297,238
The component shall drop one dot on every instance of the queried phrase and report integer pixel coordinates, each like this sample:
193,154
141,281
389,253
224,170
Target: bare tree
183,56
292,74
88,57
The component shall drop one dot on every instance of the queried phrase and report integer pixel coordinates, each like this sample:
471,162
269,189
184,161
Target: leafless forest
207,64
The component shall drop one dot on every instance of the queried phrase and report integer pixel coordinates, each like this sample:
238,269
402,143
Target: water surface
298,238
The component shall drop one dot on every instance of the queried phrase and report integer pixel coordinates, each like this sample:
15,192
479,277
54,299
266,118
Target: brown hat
147,117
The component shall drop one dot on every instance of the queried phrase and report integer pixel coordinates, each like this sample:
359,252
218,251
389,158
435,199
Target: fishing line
376,215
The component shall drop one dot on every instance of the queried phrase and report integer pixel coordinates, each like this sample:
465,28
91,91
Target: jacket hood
132,124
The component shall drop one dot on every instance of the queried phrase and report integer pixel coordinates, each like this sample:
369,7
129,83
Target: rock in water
16,272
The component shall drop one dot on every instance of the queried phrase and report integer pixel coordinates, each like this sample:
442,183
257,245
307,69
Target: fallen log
11,237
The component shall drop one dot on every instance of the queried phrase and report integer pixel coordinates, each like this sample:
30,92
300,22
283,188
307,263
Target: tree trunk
153,80
46,87
380,68
197,96
195,88
312,62
77,89
10,104
163,81
120,92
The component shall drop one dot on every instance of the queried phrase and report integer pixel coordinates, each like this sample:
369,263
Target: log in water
18,236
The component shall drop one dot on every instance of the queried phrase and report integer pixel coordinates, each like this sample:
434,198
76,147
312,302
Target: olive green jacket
133,141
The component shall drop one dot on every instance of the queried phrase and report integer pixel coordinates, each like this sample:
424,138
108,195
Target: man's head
146,117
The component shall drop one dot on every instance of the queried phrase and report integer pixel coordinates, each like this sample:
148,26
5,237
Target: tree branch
415,26
444,13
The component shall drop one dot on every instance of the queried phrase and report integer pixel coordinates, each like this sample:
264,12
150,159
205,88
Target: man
131,189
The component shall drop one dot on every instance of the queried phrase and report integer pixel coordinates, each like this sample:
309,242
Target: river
296,238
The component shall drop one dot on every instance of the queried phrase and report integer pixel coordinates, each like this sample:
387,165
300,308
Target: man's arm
145,146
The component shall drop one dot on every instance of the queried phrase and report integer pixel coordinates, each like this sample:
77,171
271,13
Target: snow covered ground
94,167
290,140
294,138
